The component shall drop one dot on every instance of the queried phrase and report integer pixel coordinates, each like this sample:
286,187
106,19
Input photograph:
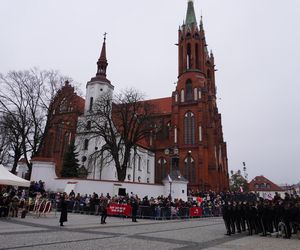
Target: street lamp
94,174
170,181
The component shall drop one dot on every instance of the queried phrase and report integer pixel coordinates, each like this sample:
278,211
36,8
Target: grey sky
256,44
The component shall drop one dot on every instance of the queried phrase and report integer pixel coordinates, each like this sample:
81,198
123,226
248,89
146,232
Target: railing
155,212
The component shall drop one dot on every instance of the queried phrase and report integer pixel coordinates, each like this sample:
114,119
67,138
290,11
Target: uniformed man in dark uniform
134,206
226,217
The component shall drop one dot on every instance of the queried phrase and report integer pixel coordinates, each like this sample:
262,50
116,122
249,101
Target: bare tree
24,101
122,122
13,149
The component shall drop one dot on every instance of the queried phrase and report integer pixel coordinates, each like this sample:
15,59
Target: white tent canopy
7,178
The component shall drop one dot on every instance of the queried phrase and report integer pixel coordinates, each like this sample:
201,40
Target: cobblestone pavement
86,232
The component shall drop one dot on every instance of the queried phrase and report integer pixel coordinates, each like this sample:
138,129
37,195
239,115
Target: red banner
119,209
195,212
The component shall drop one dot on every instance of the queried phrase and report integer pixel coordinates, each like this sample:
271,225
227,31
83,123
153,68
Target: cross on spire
104,35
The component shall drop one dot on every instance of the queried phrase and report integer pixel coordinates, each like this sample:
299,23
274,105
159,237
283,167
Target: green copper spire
190,14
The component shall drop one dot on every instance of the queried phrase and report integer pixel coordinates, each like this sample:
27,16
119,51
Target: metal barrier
163,213
153,212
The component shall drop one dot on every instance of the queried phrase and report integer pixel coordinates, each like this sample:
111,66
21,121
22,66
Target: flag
199,199
269,197
169,178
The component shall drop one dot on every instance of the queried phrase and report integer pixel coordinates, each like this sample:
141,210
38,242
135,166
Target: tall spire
201,23
102,61
190,14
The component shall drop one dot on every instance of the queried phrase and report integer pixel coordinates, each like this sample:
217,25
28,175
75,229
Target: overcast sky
256,44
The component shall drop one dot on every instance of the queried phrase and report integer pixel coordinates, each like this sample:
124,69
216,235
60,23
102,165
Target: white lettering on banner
117,209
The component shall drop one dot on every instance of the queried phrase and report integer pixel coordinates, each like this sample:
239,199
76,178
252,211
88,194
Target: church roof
190,14
164,105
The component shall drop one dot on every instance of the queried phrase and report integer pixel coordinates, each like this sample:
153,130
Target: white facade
177,189
45,171
94,90
22,169
140,169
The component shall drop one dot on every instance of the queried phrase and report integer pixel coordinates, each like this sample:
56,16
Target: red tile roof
164,105
264,184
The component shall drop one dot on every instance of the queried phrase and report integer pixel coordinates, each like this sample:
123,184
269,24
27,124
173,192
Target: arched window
189,128
129,161
86,144
161,170
189,169
195,94
148,166
66,142
139,163
182,59
175,134
63,105
189,90
189,57
91,104
197,56
182,95
200,133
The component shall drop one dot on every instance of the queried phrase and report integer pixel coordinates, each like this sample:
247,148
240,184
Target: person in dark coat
135,206
3,205
64,209
103,209
226,217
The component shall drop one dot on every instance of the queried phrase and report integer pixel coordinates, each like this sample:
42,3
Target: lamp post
170,181
94,174
170,190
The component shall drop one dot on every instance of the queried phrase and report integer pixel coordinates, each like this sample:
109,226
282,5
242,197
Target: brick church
190,138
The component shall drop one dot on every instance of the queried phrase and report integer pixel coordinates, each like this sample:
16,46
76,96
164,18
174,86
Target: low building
265,188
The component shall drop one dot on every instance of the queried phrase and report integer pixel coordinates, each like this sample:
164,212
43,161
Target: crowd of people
90,204
241,211
12,201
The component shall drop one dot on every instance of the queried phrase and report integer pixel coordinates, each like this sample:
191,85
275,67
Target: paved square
86,232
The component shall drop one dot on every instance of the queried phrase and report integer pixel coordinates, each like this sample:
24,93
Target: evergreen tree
70,162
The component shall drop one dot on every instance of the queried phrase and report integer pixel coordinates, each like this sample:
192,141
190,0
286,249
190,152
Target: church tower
98,85
86,141
199,149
